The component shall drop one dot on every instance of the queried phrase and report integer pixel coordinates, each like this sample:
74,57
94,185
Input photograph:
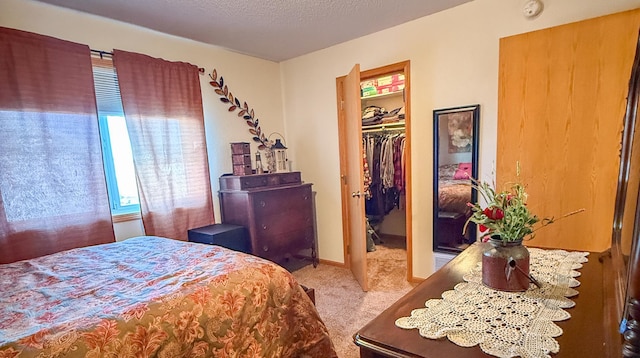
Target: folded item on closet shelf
393,119
372,111
401,113
394,112
371,121
393,116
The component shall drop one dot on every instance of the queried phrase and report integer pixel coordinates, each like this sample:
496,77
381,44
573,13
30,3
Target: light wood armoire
561,102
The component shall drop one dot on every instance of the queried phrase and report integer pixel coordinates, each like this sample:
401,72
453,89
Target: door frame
405,67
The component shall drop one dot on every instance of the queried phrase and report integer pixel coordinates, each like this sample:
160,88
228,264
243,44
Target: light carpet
342,304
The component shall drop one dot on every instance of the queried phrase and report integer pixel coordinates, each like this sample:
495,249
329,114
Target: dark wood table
584,333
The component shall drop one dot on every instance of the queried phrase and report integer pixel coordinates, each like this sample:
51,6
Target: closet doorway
375,166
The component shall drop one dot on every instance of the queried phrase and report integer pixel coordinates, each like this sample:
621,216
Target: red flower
483,228
509,197
493,213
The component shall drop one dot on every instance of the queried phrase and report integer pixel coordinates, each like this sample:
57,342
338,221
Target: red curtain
53,195
163,109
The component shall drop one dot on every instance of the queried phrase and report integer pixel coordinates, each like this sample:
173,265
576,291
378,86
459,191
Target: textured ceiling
275,30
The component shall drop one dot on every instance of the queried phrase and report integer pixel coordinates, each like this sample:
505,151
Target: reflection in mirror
455,162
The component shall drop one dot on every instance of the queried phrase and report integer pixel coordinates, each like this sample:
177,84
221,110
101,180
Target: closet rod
101,54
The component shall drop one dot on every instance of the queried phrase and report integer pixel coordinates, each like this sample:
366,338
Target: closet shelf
383,126
388,94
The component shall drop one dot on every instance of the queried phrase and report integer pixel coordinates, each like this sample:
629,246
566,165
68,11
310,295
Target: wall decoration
460,128
243,110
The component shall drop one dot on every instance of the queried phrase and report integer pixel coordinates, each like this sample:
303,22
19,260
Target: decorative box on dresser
276,209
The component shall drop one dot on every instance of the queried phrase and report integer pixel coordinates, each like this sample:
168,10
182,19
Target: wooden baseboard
126,217
332,263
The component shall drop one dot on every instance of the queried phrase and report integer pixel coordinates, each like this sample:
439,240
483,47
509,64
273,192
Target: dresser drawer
283,222
284,200
255,181
241,159
284,178
275,246
240,148
242,169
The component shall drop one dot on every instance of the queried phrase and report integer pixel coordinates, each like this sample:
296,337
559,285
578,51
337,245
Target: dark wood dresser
276,209
585,334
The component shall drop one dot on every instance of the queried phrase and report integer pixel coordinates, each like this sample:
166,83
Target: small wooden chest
241,158
240,148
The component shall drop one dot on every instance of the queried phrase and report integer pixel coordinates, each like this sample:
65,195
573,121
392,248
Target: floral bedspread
156,297
453,194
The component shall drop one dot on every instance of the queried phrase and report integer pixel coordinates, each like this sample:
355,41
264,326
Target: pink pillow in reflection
463,171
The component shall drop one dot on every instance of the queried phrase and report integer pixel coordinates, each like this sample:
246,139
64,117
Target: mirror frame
475,145
626,268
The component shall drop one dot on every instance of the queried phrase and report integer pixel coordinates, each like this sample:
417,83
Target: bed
151,296
454,190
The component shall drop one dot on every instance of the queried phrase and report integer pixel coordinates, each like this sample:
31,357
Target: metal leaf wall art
243,110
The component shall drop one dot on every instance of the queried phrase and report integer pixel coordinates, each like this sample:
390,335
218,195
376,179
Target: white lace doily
505,324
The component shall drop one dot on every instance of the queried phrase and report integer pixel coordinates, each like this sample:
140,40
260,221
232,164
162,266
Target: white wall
250,79
454,62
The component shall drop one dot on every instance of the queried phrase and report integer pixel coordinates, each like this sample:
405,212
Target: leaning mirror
455,161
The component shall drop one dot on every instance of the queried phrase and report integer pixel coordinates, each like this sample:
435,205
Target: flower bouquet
506,216
504,222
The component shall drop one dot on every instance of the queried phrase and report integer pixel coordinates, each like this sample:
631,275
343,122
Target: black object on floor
232,237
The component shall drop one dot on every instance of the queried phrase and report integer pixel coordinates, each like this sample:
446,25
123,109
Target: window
116,147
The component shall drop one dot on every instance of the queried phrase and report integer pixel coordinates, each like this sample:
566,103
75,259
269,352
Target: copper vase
505,266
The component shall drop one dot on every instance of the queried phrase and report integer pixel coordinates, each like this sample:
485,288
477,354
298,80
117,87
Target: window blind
105,80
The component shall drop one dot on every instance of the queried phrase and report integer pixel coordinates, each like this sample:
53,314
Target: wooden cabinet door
561,100
354,177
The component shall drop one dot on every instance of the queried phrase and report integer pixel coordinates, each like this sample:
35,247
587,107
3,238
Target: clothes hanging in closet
384,155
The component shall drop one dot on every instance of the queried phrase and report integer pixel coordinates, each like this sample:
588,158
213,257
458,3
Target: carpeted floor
343,306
